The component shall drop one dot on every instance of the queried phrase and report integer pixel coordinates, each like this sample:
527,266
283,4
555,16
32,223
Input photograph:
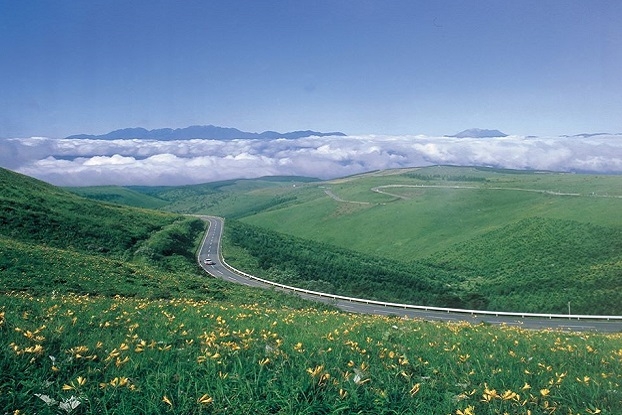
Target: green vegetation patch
321,267
120,195
133,355
541,265
231,198
34,212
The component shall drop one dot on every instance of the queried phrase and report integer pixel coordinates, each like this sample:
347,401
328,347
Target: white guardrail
417,307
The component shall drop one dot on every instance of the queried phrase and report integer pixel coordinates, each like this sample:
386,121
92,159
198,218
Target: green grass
137,328
120,195
466,276
52,241
432,219
494,239
38,213
120,355
231,198
542,264
514,241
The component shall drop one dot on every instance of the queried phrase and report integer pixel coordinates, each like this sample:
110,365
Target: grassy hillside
119,195
519,241
231,198
135,355
416,221
494,239
53,242
135,328
37,213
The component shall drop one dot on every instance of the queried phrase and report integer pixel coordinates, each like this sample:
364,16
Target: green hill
506,240
38,213
120,195
475,237
103,310
53,241
230,198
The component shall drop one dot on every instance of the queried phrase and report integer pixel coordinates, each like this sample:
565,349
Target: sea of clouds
86,162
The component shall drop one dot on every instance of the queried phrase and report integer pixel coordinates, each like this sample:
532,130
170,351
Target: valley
104,309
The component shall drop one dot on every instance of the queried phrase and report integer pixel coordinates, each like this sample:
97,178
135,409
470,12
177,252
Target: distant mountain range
200,131
478,133
588,135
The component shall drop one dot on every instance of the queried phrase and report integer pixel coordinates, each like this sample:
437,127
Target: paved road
210,249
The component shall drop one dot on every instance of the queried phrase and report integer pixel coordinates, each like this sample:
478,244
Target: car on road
208,261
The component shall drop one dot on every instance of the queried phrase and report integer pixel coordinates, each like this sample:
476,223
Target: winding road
211,251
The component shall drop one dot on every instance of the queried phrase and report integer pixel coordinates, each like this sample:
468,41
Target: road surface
210,249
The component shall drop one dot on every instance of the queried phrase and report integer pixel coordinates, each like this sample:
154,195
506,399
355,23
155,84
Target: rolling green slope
102,311
542,264
423,220
38,213
520,241
121,195
231,198
495,239
53,240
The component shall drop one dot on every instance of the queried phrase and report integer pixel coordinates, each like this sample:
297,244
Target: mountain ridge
200,132
478,133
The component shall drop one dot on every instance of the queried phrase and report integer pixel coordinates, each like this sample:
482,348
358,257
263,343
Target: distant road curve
210,250
380,189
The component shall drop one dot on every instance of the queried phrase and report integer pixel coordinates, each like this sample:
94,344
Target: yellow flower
324,378
205,399
510,395
464,357
71,386
526,387
545,392
316,371
415,389
264,362
119,362
167,401
489,394
586,380
469,410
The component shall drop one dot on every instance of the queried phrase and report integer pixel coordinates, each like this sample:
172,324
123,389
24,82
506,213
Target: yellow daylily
167,401
205,399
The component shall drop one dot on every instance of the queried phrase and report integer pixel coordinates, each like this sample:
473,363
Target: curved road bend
210,249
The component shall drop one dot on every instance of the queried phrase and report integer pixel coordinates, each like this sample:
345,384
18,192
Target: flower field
117,355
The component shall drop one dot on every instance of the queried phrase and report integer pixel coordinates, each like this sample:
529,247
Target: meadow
448,236
90,354
103,309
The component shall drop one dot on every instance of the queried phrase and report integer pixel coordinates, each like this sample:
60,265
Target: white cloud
73,162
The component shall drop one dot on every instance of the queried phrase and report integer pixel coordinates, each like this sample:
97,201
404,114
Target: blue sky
362,67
